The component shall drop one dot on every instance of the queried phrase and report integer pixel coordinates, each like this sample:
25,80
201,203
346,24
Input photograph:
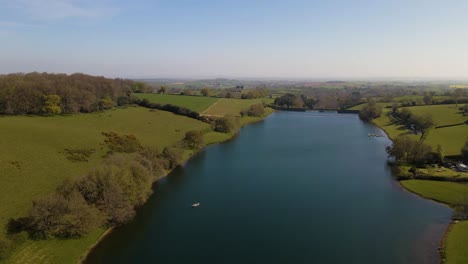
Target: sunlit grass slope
32,162
227,106
194,103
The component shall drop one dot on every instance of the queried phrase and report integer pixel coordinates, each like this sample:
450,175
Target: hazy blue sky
283,39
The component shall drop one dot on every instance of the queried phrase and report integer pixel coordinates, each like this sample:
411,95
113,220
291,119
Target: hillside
33,162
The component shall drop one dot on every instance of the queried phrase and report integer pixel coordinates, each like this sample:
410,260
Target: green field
445,192
419,99
393,129
451,139
232,106
360,106
54,250
33,165
194,103
442,114
439,171
455,244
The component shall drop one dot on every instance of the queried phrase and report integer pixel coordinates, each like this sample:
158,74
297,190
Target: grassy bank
194,103
450,138
34,163
446,192
233,107
453,194
456,242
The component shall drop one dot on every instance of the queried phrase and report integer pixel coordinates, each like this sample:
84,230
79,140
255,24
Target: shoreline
441,249
108,231
442,243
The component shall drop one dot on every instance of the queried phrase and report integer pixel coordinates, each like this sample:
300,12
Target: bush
78,154
170,108
123,100
150,158
194,139
256,110
370,111
107,195
227,124
121,143
173,157
105,103
56,215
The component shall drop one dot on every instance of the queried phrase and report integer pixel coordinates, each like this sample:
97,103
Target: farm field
33,164
227,106
442,114
450,138
360,106
419,99
194,103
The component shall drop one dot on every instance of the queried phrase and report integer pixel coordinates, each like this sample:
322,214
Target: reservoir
299,187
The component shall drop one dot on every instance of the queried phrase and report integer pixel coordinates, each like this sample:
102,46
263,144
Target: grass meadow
230,106
450,138
194,103
455,244
33,164
445,192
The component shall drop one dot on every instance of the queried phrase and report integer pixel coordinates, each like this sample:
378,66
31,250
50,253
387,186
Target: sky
236,39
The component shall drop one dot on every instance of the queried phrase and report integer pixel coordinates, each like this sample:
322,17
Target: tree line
44,93
290,100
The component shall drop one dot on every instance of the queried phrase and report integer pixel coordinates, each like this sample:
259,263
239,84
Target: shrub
370,111
257,110
123,100
173,157
101,189
227,124
78,154
105,103
150,158
121,143
170,108
56,215
194,139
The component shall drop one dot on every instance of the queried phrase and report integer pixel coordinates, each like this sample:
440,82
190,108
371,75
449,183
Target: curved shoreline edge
108,231
442,243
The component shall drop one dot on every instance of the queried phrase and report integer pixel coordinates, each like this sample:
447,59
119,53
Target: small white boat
195,204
